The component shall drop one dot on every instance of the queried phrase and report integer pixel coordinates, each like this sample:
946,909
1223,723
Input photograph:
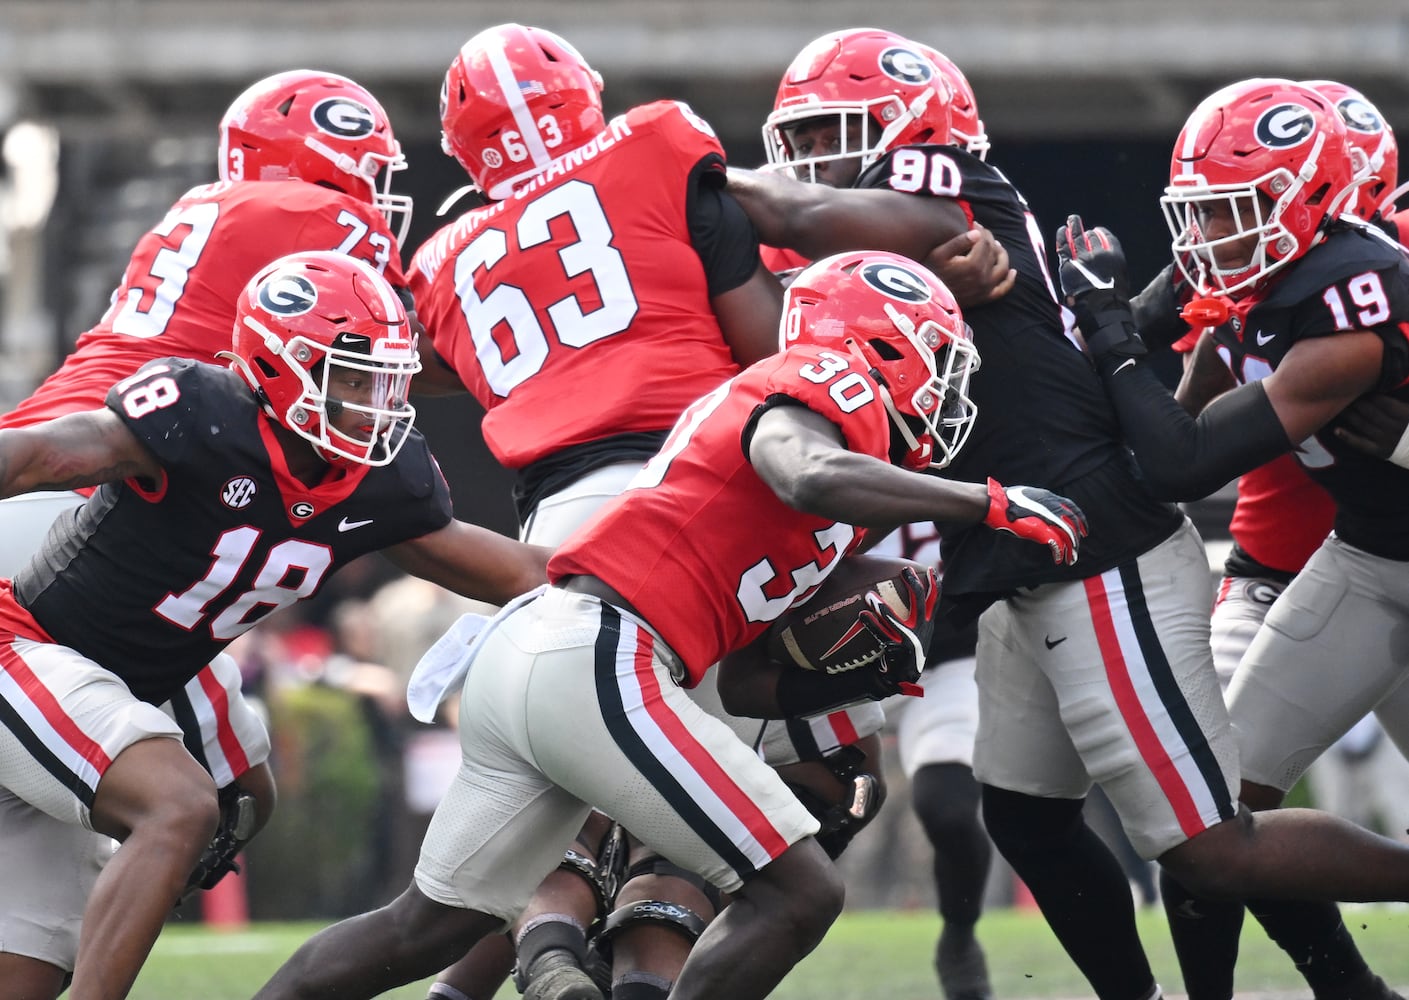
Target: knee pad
590,872
602,874
654,864
666,913
659,912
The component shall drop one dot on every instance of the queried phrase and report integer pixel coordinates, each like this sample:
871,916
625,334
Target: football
825,633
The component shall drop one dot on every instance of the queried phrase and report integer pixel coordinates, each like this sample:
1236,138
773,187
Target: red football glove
903,638
1038,515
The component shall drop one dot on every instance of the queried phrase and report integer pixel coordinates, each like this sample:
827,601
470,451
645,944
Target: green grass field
867,955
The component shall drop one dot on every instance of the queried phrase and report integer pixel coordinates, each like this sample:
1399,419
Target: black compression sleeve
1184,458
806,692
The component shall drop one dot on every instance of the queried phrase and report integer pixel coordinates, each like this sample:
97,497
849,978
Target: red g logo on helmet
1285,126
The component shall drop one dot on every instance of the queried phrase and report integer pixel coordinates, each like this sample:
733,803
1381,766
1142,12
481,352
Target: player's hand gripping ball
871,613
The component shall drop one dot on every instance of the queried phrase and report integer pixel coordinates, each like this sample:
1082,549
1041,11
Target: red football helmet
965,126
513,100
877,79
315,127
1373,149
319,334
903,324
1275,153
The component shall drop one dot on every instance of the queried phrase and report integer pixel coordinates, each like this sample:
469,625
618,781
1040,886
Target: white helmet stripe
1186,152
513,97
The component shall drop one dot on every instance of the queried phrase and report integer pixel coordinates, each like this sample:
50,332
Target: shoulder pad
172,403
417,468
1347,251
689,134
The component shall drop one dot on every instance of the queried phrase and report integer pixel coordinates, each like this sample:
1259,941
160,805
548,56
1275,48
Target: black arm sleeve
806,692
1184,458
721,233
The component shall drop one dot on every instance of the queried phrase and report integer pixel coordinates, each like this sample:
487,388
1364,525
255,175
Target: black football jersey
151,580
1356,280
1043,416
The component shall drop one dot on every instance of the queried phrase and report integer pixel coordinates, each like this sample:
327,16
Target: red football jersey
781,259
177,297
1282,515
577,308
698,543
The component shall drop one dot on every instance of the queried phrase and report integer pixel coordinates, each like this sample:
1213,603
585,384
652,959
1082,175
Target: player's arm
817,220
746,297
803,458
473,561
245,807
80,449
748,316
1205,375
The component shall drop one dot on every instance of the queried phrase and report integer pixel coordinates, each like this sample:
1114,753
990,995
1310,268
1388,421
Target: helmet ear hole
886,350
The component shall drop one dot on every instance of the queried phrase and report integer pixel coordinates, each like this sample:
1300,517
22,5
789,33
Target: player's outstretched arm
803,458
817,220
474,562
80,449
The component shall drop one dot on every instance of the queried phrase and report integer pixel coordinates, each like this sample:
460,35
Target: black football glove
903,639
237,819
1039,516
1097,290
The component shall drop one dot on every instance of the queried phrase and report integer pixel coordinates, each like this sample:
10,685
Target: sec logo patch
238,492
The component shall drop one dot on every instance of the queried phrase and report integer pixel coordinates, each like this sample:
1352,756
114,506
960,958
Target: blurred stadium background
108,111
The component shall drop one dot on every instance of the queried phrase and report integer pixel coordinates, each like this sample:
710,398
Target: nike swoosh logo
346,525
1123,365
1096,280
1053,643
1263,339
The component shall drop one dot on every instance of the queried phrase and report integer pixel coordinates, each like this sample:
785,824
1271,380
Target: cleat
963,971
1366,986
555,975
